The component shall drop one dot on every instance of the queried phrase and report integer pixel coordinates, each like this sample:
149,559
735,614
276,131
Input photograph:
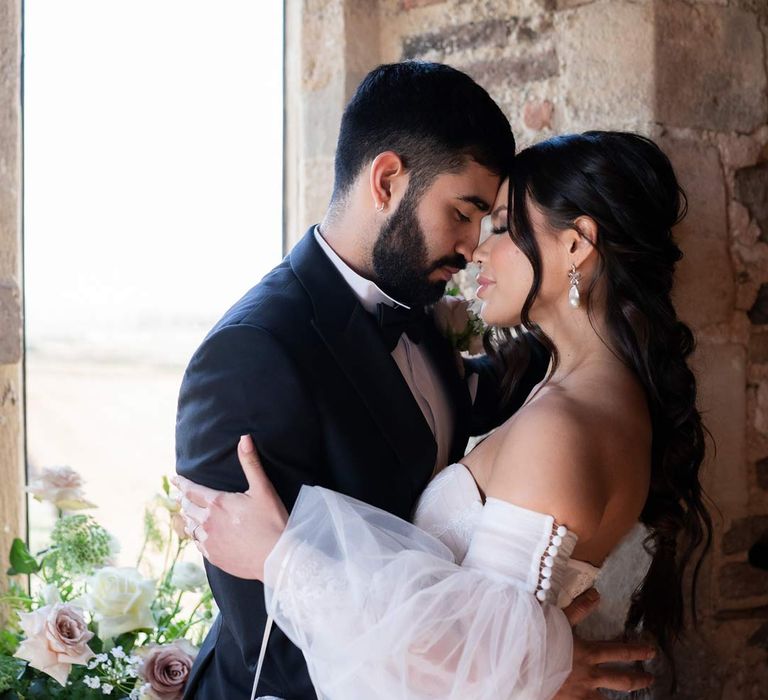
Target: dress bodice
524,545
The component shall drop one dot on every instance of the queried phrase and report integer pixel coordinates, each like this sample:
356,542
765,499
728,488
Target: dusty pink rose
451,315
56,637
62,486
166,669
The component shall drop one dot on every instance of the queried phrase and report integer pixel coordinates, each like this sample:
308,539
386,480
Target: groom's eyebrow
479,202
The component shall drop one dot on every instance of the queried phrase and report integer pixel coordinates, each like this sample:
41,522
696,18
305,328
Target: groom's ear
388,180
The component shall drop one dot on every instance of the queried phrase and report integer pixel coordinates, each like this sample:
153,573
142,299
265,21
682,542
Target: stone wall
689,73
12,518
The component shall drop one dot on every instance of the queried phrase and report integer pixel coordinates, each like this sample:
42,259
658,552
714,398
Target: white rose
188,576
121,599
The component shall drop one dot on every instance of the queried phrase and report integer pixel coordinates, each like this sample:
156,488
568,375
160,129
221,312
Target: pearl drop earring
574,298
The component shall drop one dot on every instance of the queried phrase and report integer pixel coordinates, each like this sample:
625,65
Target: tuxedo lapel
352,337
446,359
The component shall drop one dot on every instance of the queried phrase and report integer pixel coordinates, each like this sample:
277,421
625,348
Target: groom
331,364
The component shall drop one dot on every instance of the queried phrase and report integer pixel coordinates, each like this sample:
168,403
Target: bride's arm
408,615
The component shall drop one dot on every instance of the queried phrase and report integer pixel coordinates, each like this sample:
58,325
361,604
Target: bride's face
506,274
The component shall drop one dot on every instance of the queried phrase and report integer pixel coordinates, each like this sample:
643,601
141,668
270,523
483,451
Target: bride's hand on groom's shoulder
589,673
235,531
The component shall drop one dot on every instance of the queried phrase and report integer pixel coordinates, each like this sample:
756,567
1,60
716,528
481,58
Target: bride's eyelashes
499,229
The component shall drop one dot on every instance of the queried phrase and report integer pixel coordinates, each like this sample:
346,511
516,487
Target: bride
466,602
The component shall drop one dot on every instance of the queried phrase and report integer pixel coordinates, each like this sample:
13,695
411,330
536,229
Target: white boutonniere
458,322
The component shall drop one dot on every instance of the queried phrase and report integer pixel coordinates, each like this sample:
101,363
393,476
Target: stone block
743,533
761,470
451,39
537,114
752,190
407,5
705,289
758,345
740,580
710,67
721,378
600,46
760,637
10,324
758,314
513,71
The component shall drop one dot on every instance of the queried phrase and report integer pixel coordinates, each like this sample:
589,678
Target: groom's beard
400,259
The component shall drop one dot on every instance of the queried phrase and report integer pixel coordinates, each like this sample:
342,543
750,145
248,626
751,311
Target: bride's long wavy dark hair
626,184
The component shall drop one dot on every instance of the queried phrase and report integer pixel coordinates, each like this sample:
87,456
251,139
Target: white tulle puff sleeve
380,608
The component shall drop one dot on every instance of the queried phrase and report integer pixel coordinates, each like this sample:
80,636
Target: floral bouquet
457,319
90,629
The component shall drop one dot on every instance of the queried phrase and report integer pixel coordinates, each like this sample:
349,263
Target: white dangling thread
270,621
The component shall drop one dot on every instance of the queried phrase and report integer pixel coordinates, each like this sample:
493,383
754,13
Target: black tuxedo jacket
301,366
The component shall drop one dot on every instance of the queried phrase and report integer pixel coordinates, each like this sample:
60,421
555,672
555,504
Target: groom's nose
466,245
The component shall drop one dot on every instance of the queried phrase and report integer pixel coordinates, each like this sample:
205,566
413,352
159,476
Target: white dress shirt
411,358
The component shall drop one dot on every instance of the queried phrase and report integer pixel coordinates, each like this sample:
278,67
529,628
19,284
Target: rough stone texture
412,4
460,38
752,190
740,580
710,67
537,114
744,532
513,69
12,502
606,66
758,314
721,374
761,470
704,288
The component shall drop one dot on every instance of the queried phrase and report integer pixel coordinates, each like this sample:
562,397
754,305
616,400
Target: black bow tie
394,321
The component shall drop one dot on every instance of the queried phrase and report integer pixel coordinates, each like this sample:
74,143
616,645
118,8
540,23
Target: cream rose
187,576
121,599
56,637
62,486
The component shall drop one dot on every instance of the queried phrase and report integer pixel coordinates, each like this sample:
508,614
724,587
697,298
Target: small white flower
101,658
92,682
106,689
118,652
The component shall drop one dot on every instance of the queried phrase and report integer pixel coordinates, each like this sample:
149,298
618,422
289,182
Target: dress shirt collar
365,290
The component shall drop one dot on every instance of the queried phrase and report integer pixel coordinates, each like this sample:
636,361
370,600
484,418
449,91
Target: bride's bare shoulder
547,462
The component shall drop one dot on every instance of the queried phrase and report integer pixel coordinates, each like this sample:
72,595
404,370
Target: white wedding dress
463,604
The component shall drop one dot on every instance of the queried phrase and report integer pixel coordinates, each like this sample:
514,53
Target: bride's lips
483,284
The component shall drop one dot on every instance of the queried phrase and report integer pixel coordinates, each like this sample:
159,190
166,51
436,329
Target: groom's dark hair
433,116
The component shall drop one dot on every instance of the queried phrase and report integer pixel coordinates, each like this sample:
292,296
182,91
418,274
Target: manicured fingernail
246,443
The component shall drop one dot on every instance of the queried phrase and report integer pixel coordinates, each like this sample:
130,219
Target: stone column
330,46
12,499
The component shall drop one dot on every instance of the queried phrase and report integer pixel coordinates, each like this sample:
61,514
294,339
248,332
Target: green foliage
22,562
11,670
81,544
